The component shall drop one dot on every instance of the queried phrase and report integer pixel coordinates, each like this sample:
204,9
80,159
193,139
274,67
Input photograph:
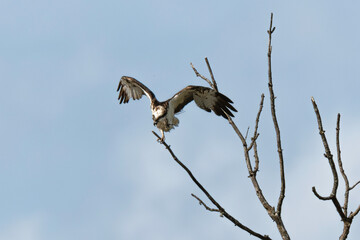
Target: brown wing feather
205,98
131,88
183,97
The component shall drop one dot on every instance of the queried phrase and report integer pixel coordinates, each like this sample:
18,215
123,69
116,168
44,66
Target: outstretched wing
131,88
205,98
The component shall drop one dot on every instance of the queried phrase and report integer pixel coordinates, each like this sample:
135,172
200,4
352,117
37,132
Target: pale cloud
23,228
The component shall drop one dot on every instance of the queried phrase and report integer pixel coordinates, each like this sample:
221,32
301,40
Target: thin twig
256,135
203,77
206,207
220,208
253,140
256,156
352,215
319,196
247,132
354,185
276,125
342,171
214,85
327,154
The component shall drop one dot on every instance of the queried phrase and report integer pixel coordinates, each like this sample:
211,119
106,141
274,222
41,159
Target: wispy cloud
23,228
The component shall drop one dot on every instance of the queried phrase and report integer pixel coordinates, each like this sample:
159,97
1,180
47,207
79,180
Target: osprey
163,113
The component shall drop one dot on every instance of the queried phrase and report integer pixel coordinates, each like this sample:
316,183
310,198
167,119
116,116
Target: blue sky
77,165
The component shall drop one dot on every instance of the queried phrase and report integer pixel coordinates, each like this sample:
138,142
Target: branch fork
342,210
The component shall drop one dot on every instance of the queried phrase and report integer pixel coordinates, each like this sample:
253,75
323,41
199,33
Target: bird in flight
163,113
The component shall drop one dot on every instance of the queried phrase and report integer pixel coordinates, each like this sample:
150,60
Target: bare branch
220,208
352,215
256,135
212,84
252,176
347,220
335,202
320,197
275,215
253,140
346,230
354,185
338,208
276,125
206,207
347,188
247,132
327,154
256,156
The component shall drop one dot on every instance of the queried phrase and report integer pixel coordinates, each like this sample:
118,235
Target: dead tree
273,212
346,217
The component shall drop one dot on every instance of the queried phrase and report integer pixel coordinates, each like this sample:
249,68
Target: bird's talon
160,140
